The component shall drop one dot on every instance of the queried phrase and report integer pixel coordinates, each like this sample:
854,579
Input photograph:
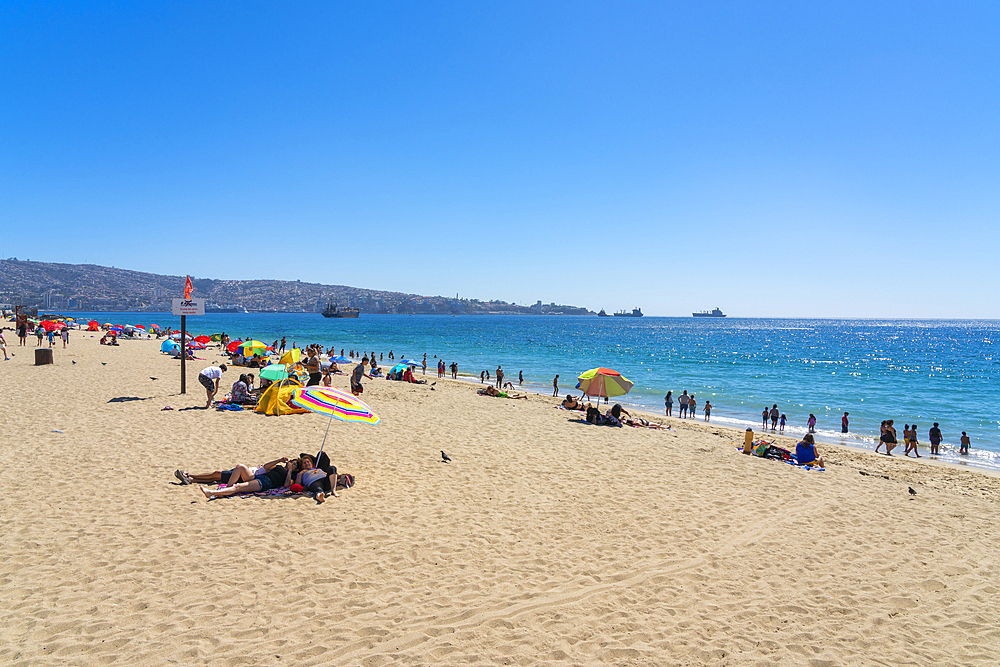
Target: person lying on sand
571,403
490,390
316,481
239,473
276,478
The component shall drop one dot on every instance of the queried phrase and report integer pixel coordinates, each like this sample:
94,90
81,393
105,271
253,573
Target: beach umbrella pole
324,438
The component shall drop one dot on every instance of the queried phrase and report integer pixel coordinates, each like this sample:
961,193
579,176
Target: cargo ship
709,313
333,311
636,312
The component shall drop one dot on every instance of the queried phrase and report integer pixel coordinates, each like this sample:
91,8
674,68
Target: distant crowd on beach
319,371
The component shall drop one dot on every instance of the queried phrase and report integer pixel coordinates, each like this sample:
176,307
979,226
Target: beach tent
215,337
275,399
169,346
291,357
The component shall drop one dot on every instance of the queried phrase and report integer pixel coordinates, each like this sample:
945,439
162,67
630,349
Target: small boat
636,312
332,310
709,313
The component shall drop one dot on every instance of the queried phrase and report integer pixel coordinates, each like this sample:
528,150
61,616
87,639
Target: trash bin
748,441
43,355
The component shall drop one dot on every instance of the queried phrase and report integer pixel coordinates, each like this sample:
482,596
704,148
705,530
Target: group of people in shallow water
889,439
687,406
305,473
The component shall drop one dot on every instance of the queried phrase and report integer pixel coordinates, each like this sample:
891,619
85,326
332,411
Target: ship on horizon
332,310
214,308
602,314
636,312
709,313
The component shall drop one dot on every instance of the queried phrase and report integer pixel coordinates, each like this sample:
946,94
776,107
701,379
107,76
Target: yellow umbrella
291,357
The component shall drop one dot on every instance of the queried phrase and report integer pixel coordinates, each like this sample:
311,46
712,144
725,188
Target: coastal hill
88,287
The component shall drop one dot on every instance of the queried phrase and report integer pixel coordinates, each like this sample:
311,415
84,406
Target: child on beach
763,418
669,402
708,411
812,423
781,423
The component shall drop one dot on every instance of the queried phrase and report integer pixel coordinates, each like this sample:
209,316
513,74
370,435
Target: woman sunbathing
490,390
240,473
315,480
276,478
571,403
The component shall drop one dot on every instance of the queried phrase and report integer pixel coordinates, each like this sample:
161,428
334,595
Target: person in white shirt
209,379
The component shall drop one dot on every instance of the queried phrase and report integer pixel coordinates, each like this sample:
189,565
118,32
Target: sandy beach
545,541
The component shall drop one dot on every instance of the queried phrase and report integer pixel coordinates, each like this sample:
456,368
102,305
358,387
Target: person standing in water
844,423
965,442
668,403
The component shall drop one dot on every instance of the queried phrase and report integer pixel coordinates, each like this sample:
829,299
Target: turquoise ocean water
908,370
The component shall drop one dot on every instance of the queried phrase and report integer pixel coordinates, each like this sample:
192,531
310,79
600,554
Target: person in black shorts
276,478
237,474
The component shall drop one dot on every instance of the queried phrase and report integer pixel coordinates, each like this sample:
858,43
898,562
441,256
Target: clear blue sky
774,159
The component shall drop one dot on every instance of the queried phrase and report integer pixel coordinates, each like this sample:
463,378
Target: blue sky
774,159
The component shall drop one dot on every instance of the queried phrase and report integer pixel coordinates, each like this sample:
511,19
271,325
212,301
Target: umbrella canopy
291,357
398,368
196,346
411,362
252,347
232,346
139,326
604,382
178,335
93,325
49,325
335,403
274,372
202,339
340,360
155,326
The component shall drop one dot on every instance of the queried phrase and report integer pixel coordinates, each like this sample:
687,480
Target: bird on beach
445,458
912,492
104,363
153,378
74,361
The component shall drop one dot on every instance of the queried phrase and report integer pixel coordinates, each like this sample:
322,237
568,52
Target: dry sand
545,541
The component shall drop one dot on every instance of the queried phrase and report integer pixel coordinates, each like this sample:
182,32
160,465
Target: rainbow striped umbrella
333,402
603,382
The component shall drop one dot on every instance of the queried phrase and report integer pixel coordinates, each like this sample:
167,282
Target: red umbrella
93,325
202,339
49,325
232,347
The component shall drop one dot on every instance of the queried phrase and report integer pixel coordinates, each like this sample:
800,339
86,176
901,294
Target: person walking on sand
64,334
3,347
209,379
499,377
668,403
844,423
934,435
39,334
774,416
356,375
555,386
708,411
424,364
965,442
812,423
482,377
281,350
682,404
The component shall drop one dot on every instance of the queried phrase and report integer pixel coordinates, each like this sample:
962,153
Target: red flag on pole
188,288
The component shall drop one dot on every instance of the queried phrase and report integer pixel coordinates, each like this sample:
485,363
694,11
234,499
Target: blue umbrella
340,360
397,368
410,362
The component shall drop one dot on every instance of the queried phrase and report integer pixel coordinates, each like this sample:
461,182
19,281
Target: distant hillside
89,287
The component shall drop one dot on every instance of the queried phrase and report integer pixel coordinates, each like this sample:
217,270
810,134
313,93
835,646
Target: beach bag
760,448
345,481
777,453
